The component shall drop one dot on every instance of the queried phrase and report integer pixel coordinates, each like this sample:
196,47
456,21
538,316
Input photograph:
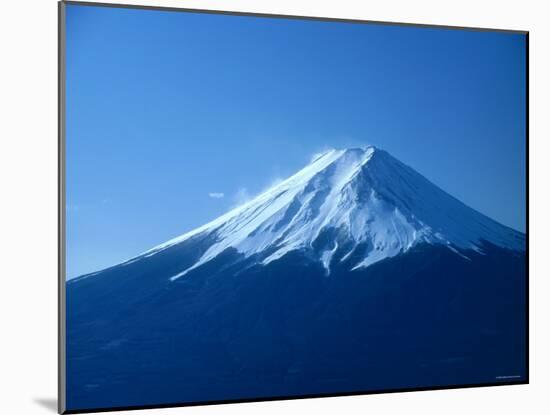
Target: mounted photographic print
258,207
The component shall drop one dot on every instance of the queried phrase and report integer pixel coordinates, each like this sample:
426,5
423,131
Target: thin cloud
242,196
320,153
72,208
274,182
216,195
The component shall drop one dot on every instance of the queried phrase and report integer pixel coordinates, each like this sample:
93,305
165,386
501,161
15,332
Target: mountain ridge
374,203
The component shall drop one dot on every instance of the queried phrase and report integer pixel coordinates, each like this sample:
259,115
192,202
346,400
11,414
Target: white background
28,187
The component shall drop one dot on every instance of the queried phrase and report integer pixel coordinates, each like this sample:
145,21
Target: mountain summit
359,206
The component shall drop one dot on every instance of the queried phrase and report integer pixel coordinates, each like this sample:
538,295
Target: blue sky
167,112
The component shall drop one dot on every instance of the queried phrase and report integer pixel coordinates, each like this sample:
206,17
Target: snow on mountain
376,207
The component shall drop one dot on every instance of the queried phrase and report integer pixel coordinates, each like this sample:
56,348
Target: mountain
354,274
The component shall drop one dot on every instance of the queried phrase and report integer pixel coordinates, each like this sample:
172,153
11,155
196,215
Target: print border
61,210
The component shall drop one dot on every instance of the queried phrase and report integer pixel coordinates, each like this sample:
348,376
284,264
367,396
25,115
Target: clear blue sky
166,108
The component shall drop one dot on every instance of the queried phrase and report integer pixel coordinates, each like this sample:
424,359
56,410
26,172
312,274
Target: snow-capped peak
372,205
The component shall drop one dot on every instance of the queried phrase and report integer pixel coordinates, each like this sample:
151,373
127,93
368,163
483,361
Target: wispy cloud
274,182
340,143
72,208
242,196
216,195
320,153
